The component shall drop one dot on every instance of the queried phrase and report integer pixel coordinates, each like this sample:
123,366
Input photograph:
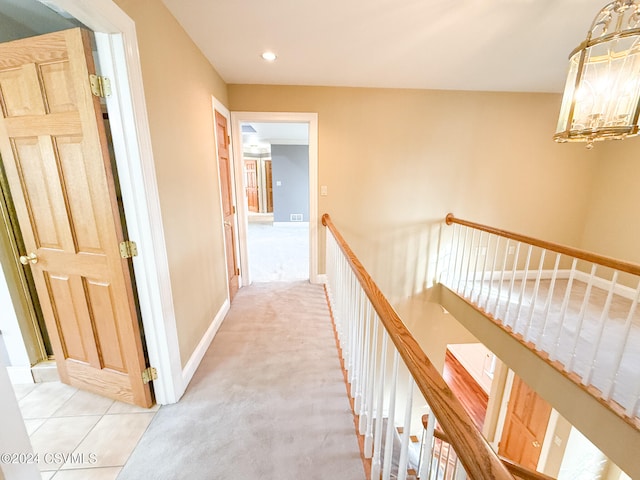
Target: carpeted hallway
268,401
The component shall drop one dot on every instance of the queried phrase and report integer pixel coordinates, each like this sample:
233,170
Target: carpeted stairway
268,401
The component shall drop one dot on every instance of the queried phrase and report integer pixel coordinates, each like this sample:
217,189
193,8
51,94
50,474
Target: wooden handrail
476,455
519,471
621,265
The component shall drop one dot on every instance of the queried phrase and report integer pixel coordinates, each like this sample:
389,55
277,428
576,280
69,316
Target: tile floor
97,432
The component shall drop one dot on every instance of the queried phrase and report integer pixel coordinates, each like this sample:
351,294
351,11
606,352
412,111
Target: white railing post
563,311
426,448
534,296
406,432
523,288
581,316
547,306
365,384
608,392
376,466
468,274
391,417
493,269
368,438
505,320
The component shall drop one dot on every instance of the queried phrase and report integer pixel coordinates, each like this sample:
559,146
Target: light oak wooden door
251,172
525,425
228,210
268,174
54,149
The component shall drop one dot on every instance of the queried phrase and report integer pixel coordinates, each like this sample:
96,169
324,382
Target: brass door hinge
149,374
233,209
237,271
128,249
100,86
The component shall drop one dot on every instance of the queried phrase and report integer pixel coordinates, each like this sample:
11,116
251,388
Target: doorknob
536,444
27,259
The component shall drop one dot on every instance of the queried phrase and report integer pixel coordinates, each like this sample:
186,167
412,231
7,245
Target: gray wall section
290,167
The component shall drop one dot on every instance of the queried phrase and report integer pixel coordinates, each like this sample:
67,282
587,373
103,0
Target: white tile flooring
98,433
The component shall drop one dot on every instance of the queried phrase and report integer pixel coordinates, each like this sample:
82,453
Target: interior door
54,150
228,210
525,425
251,185
268,184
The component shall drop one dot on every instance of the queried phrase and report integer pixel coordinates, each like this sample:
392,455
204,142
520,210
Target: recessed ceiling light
269,56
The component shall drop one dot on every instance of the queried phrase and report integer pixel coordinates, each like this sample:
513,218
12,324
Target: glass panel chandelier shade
602,95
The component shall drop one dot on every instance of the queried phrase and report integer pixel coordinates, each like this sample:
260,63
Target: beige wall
613,224
179,83
395,161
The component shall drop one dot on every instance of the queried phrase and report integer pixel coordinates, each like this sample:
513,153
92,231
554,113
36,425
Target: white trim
605,284
198,354
323,278
136,169
291,224
277,117
19,375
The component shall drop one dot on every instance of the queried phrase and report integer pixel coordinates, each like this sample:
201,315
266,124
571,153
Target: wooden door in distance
268,184
525,425
228,210
54,148
251,173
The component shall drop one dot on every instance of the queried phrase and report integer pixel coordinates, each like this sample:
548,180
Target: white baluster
460,472
484,269
426,448
619,352
534,295
468,274
634,401
475,267
453,253
368,438
391,427
603,320
377,439
505,319
493,269
406,433
547,307
358,343
496,308
523,287
446,460
365,384
563,311
464,247
581,315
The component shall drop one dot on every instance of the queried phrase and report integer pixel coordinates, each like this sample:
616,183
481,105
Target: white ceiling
273,133
493,45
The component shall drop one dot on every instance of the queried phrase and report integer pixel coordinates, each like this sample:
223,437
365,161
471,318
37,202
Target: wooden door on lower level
268,182
525,425
228,209
251,185
54,149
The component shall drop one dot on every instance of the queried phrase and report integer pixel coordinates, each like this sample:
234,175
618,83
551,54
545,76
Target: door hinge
100,86
233,209
237,271
149,374
128,249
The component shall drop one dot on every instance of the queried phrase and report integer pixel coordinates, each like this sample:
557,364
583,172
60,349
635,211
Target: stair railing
576,308
444,464
384,364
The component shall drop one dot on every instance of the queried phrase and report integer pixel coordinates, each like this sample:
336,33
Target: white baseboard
291,224
21,374
198,354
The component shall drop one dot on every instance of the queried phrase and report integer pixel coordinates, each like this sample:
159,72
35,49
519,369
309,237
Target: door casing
237,118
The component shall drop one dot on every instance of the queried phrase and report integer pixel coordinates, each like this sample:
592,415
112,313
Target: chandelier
602,95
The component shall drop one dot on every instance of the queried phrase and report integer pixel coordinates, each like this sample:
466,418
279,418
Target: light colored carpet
268,401
278,253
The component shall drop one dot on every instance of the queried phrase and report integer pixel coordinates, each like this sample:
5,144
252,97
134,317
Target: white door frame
276,117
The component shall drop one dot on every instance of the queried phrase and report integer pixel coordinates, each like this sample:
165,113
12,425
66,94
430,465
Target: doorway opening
276,180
